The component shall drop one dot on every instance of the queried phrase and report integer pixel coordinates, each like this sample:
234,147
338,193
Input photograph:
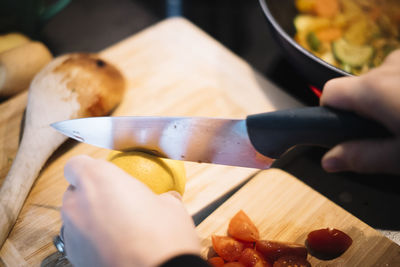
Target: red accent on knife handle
316,91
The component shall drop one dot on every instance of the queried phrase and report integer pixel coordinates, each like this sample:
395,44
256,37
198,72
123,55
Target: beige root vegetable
20,64
71,86
11,40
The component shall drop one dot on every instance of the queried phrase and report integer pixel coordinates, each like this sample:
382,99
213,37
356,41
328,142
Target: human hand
112,219
376,95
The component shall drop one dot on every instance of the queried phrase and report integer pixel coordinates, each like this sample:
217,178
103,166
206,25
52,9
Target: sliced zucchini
302,22
352,55
329,58
313,41
347,68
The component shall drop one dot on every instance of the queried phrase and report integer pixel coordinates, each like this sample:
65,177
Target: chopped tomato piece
234,264
273,250
252,258
216,261
241,227
291,261
328,242
227,247
247,244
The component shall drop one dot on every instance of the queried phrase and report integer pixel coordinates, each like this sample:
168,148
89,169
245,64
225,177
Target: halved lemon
159,174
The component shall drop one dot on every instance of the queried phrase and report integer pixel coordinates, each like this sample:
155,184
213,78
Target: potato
11,40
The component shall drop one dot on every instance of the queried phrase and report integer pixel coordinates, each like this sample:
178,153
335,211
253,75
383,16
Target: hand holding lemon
111,219
159,174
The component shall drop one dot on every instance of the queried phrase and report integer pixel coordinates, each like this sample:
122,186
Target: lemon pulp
159,174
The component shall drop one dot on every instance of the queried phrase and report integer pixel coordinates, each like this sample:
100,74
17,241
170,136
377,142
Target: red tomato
233,264
242,228
328,242
291,261
226,247
273,250
216,261
247,244
252,258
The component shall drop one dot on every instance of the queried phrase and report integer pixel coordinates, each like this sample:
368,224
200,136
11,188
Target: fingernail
174,194
333,164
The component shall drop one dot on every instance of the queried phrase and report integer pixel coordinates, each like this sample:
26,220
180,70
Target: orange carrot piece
329,34
305,6
327,8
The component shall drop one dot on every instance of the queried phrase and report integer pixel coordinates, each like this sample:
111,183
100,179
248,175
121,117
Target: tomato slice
328,242
227,247
247,244
291,261
242,228
234,264
216,261
273,250
252,258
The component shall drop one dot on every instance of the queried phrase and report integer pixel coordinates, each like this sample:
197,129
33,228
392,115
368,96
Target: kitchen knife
252,142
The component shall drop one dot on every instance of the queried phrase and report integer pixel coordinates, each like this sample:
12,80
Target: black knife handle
273,133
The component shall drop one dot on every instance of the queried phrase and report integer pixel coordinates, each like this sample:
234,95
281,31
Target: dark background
91,25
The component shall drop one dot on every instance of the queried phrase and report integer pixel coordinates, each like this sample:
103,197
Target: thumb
364,156
171,194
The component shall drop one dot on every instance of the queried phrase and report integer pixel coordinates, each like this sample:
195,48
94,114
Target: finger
356,94
68,194
66,230
372,95
75,167
71,239
368,156
393,58
171,193
69,203
340,93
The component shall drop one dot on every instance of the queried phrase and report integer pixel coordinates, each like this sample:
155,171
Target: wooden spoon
70,86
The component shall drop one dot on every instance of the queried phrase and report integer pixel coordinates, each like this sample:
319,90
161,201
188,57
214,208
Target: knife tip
54,125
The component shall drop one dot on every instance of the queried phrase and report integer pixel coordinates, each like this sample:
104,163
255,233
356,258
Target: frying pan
280,16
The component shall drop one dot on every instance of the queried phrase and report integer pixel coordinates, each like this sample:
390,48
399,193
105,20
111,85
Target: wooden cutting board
172,68
285,209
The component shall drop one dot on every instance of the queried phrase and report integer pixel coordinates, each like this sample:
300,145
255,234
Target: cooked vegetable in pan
353,35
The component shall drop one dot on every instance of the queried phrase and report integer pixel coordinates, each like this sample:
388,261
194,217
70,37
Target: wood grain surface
285,209
172,68
11,114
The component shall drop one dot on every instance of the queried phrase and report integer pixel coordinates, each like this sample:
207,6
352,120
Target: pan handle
273,133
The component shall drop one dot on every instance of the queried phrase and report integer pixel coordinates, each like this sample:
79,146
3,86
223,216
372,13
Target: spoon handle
30,158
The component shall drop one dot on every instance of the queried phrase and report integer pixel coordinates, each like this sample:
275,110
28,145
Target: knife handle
273,133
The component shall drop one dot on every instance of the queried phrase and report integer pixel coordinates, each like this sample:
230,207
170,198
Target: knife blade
252,142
